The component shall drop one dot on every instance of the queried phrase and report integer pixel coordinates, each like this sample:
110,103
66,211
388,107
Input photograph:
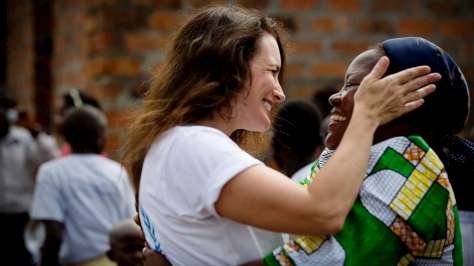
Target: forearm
50,252
338,182
52,243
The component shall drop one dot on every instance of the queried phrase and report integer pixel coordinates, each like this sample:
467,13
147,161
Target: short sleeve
207,160
127,195
47,200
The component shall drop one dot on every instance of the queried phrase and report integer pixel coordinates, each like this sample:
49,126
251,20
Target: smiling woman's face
343,101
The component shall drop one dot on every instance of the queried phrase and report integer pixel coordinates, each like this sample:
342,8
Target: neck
392,129
85,150
219,123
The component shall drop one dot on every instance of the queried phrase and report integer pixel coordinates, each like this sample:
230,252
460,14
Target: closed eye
350,85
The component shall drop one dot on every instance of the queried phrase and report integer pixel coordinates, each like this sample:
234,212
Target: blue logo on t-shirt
149,230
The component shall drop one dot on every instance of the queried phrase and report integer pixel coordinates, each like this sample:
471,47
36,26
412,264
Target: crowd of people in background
202,200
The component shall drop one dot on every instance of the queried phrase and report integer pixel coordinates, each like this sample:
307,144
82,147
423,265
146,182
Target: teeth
267,106
338,118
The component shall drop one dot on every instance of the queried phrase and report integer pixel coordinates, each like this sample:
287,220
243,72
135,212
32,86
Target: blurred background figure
126,244
321,99
20,156
297,140
72,98
46,141
81,196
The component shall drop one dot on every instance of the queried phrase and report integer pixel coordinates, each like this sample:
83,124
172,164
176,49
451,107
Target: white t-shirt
183,175
302,173
88,193
20,155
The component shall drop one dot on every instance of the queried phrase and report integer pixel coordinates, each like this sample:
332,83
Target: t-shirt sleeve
208,160
128,196
47,199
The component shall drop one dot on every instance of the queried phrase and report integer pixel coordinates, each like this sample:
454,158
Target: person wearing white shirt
198,191
81,196
20,156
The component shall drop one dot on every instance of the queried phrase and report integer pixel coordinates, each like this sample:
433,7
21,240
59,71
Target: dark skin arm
52,243
156,259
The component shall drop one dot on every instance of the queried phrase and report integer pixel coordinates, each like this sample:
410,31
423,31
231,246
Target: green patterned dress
405,214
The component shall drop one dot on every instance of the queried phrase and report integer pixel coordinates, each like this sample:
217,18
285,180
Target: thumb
380,68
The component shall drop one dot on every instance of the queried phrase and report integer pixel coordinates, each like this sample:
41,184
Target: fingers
379,69
136,219
409,74
420,93
421,82
412,105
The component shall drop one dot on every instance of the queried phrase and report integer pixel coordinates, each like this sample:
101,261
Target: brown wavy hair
208,63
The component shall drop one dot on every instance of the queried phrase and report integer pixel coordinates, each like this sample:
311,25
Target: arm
262,197
52,243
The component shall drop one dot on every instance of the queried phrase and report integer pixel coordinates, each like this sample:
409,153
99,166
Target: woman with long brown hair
198,190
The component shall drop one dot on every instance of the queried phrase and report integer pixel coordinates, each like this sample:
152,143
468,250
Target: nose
278,93
335,99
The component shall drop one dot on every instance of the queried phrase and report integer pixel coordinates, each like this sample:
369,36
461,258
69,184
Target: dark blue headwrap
444,112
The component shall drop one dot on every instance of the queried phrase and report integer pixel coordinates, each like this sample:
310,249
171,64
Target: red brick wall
109,47
20,55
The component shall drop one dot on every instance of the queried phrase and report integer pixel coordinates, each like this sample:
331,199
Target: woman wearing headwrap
406,211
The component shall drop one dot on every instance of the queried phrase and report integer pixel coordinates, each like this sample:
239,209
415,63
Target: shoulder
108,162
201,134
194,140
50,170
20,134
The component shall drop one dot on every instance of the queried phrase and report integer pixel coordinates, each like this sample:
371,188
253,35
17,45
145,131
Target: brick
468,72
444,7
333,24
105,92
119,118
113,144
257,4
102,41
121,19
375,26
302,5
70,79
91,23
344,5
324,25
95,3
174,4
329,69
305,47
301,92
122,66
456,28
294,70
163,20
202,3
349,47
466,51
384,6
140,42
416,27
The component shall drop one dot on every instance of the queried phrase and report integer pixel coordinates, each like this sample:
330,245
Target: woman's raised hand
384,99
